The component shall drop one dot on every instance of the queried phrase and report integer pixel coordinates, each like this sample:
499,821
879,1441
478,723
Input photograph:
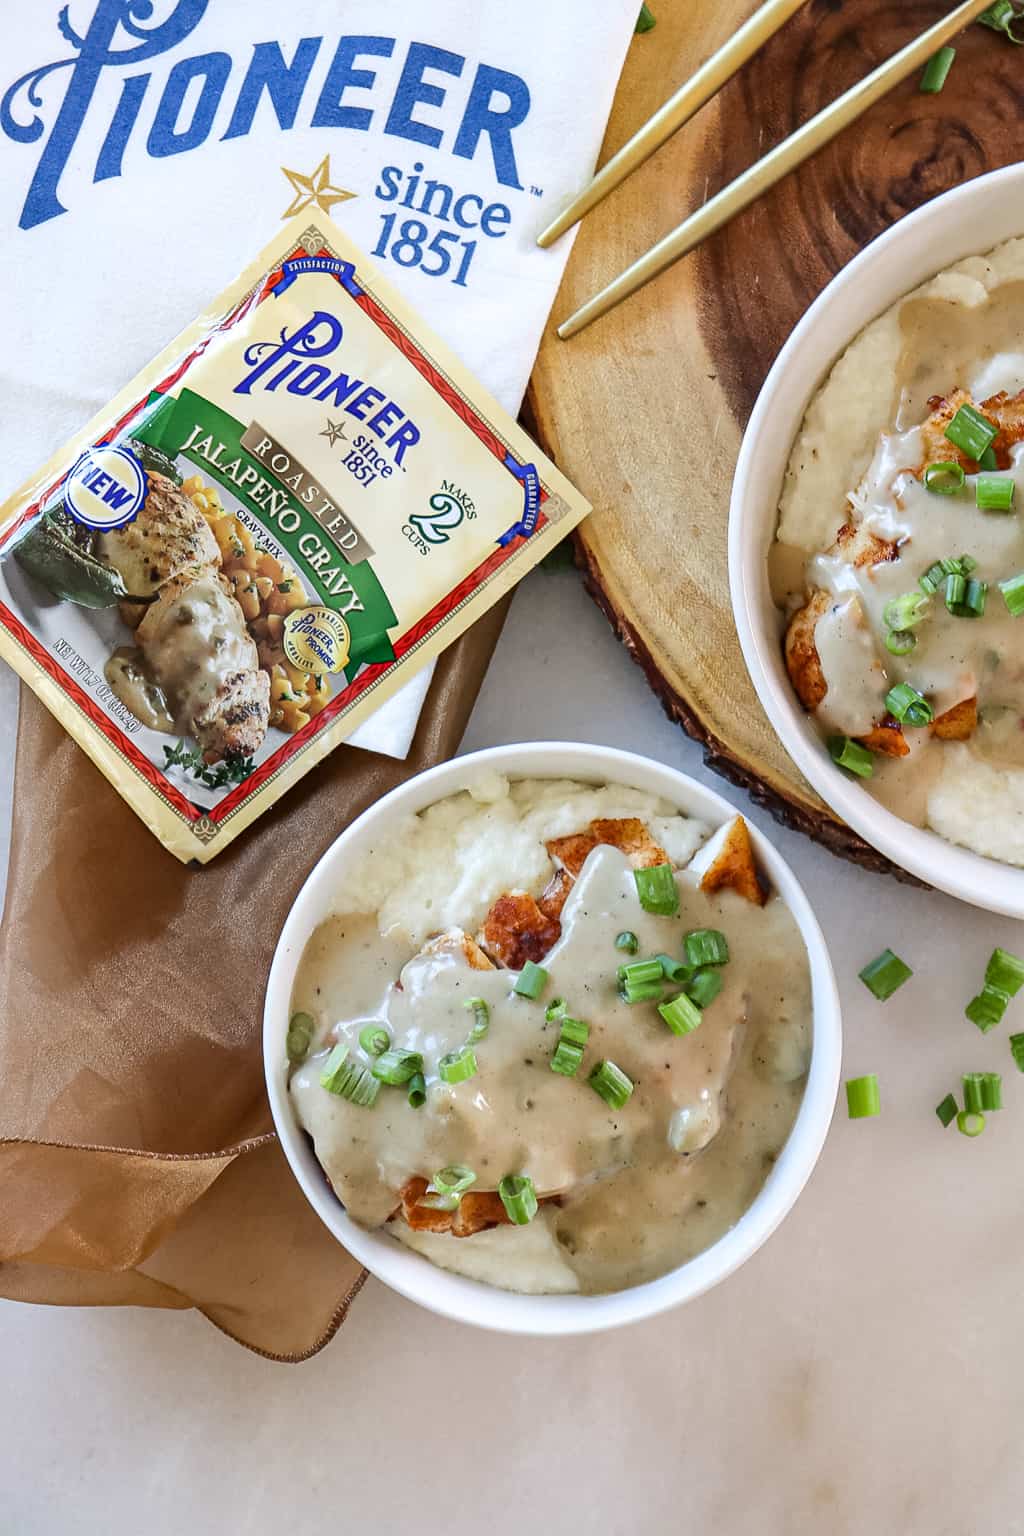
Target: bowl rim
893,264
470,1301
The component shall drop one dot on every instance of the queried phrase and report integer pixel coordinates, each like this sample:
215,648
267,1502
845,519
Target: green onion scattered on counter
397,1067
851,756
575,1030
611,1083
969,1123
987,1008
568,1058
675,971
904,703
707,946
374,1039
1001,17
519,1198
971,432
947,1110
641,991
481,1018
458,1066
627,942
1013,594
862,1100
300,1036
657,890
682,1014
1017,1050
646,20
556,1009
638,972
906,611
965,597
348,1079
983,1091
900,642
936,70
1004,971
944,479
705,986
994,493
885,974
417,1090
532,980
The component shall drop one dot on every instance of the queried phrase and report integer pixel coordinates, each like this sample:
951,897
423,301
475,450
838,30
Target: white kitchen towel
149,148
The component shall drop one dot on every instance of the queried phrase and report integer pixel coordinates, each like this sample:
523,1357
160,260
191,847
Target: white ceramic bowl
967,221
468,1300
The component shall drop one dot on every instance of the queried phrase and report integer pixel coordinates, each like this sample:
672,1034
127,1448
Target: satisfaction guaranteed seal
316,639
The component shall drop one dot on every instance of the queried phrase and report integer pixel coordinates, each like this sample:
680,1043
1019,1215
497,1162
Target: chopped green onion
947,1110
932,579
1017,1050
453,1180
905,703
1013,594
481,1018
969,1123
965,564
657,890
676,971
417,1090
944,479
640,992
374,1039
556,1009
396,1067
994,493
348,1079
936,70
647,19
906,611
611,1083
900,642
965,597
519,1198
988,461
300,1036
637,972
862,1100
705,986
982,1091
682,1015
851,756
707,946
971,432
568,1058
627,942
885,974
458,1066
1004,971
987,1009
532,980
1000,17
575,1031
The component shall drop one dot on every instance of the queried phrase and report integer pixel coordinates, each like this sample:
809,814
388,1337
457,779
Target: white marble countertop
860,1374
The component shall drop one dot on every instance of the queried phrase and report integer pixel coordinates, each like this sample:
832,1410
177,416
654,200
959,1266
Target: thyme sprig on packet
233,770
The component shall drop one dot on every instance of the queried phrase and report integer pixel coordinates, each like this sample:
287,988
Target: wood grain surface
645,410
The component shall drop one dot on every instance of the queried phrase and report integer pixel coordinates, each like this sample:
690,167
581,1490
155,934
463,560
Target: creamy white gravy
628,1207
132,682
194,641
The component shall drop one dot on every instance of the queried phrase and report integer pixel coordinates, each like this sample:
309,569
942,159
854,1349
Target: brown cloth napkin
137,1161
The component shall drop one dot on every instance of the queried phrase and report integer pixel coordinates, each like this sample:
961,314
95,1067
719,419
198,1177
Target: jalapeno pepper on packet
295,507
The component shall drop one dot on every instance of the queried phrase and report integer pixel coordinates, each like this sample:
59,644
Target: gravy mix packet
297,505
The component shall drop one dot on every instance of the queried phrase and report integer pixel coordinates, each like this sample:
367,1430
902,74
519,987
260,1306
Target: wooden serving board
644,411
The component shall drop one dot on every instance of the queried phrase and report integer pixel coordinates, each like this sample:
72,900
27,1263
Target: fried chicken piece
859,546
457,942
199,651
1004,411
168,536
475,1212
802,660
958,723
726,862
517,930
627,833
555,894
887,738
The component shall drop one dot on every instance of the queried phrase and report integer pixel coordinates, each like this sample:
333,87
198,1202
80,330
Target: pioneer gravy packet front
298,504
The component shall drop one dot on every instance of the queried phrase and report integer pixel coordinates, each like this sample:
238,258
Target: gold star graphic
334,432
314,191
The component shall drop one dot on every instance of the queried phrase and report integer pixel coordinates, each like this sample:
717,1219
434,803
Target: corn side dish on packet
296,506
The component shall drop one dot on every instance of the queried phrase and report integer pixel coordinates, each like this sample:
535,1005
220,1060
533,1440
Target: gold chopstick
679,108
740,193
